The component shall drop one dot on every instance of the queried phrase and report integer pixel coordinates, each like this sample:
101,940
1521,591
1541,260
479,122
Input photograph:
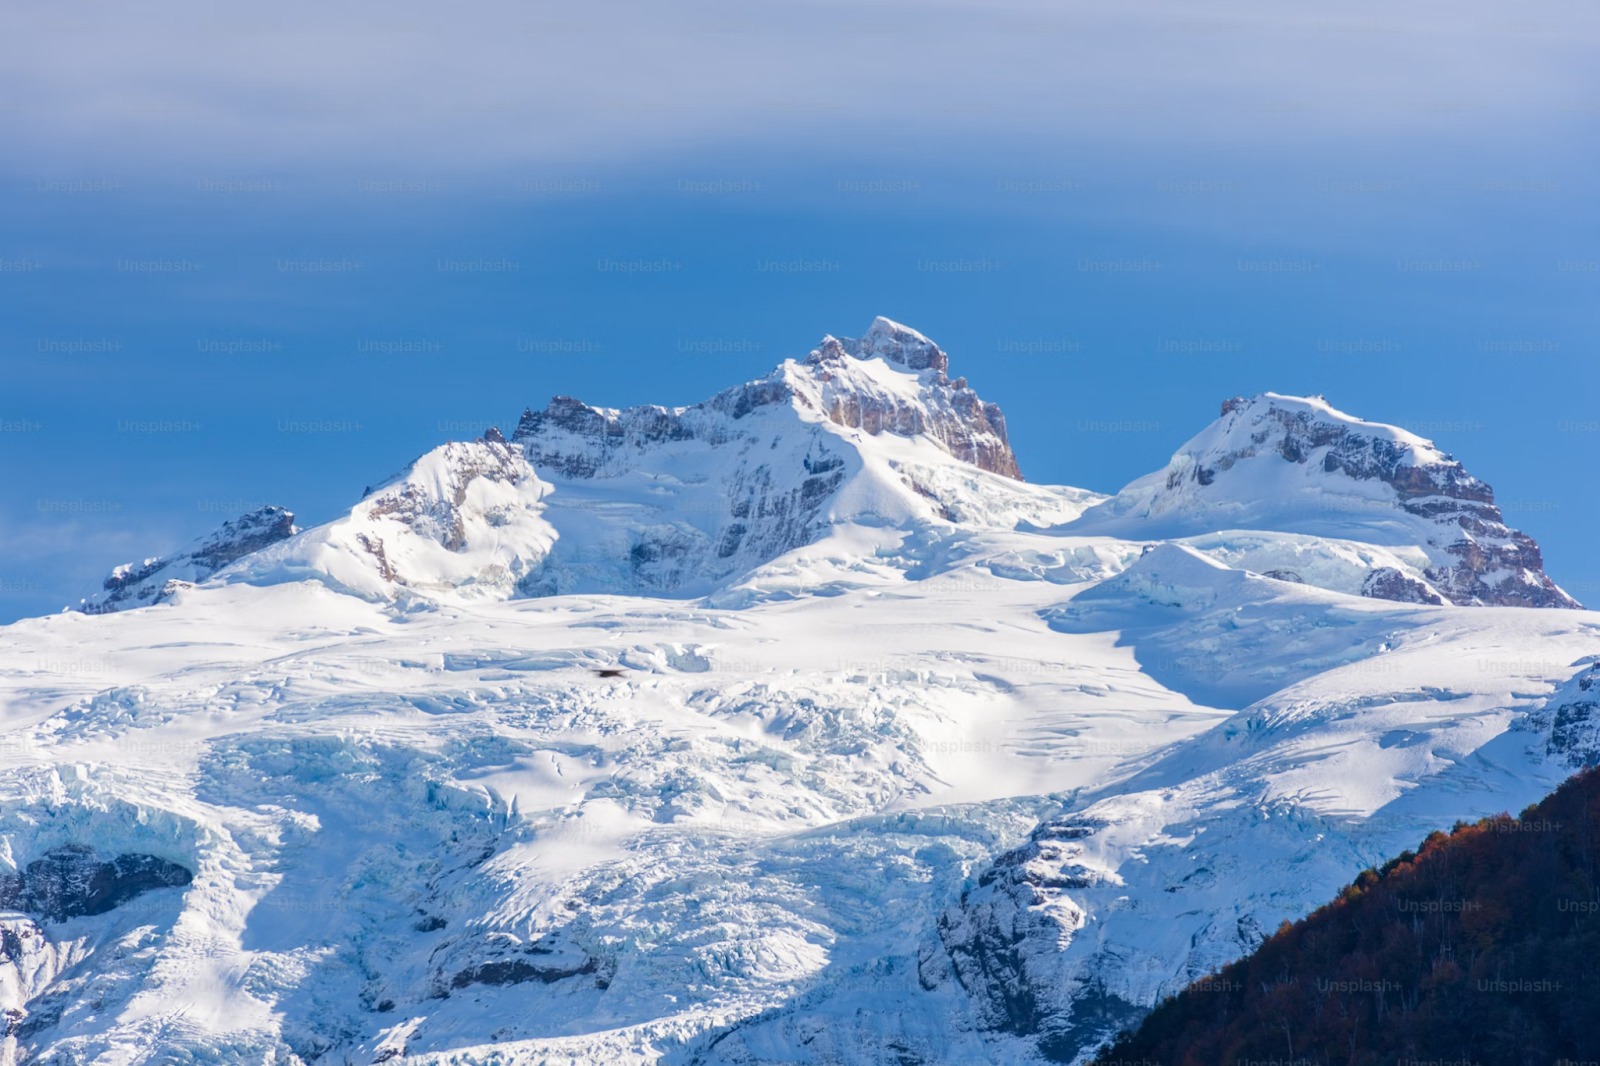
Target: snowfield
792,727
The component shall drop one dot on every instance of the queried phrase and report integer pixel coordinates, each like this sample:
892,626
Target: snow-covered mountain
789,726
859,434
1296,465
157,578
863,439
465,521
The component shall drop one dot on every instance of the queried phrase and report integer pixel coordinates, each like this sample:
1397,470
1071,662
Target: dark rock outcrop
435,509
71,882
155,580
1575,720
501,960
1568,724
998,945
966,426
1387,583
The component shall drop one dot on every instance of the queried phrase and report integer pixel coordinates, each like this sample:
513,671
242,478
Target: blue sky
271,257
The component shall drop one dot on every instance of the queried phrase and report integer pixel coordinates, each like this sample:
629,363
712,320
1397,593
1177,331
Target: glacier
793,726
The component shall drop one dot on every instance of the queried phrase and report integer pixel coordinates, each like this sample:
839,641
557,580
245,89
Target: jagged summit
1323,451
863,434
570,438
1299,465
930,405
887,340
155,579
866,430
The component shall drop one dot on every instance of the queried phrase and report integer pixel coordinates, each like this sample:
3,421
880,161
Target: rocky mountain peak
570,438
1295,427
887,340
155,579
930,405
1298,464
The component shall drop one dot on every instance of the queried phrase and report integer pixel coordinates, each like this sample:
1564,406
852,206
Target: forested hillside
1479,948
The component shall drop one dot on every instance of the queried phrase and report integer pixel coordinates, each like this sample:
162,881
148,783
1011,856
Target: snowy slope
1358,728
925,769
465,521
864,440
863,433
1296,465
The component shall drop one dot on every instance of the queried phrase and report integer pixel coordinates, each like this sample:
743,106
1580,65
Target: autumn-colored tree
1476,948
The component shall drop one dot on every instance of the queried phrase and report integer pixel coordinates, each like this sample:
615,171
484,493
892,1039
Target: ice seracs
786,726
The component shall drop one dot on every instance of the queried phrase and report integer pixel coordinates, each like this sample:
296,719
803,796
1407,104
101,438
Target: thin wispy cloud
489,84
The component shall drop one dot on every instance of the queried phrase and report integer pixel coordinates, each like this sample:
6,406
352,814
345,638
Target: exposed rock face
948,411
708,491
1387,583
155,579
44,976
1492,564
571,439
700,493
1291,576
435,507
1570,720
513,965
1297,464
1002,942
897,344
71,882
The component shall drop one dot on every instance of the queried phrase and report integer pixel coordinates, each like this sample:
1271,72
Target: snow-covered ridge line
464,521
156,579
678,501
784,727
1298,465
572,439
684,501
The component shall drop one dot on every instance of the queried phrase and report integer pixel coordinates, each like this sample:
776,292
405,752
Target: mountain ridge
532,754
680,500
1298,465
